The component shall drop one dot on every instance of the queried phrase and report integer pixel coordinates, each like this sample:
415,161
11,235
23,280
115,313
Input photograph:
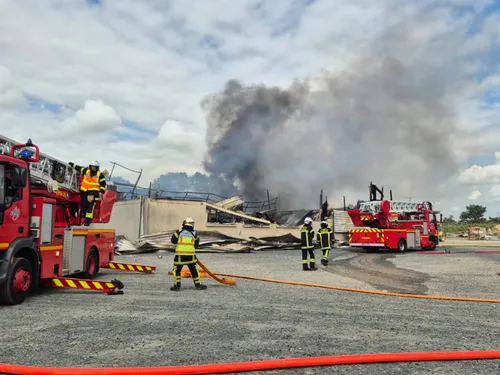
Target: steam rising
388,118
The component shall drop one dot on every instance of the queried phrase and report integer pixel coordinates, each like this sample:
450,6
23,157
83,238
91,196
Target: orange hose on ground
273,364
446,298
214,276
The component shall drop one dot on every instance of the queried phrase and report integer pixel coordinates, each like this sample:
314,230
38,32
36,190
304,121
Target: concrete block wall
342,222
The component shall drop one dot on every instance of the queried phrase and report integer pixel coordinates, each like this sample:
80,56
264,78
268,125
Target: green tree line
474,215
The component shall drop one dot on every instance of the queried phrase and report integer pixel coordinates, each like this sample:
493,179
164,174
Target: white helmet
307,220
94,163
189,222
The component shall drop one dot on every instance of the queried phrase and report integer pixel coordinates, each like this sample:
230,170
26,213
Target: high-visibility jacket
325,238
91,183
186,242
306,237
97,182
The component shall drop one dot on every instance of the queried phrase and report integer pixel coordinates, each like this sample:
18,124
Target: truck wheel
402,245
18,284
92,266
432,243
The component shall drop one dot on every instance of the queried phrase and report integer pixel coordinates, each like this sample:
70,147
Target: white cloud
495,191
129,77
475,195
477,174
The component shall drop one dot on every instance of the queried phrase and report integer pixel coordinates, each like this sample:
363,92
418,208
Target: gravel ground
151,326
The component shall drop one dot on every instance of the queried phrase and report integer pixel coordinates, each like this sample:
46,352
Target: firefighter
306,242
324,238
92,189
187,241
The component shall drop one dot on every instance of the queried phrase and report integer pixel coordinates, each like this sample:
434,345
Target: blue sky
125,80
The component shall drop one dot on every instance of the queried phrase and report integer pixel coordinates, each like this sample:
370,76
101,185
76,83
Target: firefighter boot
200,286
324,262
305,267
176,287
312,266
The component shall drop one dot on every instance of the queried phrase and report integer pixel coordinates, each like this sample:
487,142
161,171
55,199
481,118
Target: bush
458,227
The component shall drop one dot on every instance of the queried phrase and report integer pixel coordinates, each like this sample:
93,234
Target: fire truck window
2,184
12,194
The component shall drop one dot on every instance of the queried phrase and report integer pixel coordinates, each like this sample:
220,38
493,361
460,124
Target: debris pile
210,242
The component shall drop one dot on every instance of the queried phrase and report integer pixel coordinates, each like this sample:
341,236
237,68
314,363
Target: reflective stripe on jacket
306,237
91,183
325,238
186,243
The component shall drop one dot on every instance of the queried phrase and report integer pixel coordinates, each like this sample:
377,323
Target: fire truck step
112,287
130,267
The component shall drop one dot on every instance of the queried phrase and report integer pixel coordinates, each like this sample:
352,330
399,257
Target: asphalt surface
151,326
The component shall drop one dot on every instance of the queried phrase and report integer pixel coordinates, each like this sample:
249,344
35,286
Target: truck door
14,203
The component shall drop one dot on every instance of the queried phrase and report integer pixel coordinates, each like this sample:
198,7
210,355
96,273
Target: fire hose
273,364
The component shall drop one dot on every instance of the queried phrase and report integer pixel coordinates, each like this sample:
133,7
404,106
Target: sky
124,80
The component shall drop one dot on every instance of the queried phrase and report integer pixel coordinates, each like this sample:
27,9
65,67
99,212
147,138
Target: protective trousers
312,260
324,259
87,204
185,260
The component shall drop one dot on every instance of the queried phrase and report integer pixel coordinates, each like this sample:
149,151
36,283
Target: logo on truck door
15,213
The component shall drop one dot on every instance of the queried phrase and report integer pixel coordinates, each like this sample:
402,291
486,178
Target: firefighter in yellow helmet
307,245
324,238
187,241
92,189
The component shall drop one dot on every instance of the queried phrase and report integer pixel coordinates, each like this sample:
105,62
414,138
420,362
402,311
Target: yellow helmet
189,221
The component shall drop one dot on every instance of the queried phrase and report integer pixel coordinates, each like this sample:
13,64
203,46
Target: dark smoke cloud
389,119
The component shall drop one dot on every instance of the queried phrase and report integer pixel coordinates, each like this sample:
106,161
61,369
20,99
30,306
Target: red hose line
273,364
461,252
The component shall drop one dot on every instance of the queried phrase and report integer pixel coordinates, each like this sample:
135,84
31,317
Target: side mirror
19,178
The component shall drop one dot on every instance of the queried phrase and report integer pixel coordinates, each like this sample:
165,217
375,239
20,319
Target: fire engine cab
395,225
41,240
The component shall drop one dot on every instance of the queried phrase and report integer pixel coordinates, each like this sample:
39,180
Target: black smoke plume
388,118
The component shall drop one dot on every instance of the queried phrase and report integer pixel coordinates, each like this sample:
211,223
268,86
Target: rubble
210,242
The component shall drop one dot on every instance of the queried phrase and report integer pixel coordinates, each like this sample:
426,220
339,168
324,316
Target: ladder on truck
52,172
396,206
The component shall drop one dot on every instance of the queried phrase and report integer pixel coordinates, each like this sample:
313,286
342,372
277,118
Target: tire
402,246
432,243
19,283
92,265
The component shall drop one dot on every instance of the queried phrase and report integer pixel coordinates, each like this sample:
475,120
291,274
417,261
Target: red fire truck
41,240
395,225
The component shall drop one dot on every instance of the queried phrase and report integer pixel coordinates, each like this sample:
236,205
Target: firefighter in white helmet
307,245
187,241
92,189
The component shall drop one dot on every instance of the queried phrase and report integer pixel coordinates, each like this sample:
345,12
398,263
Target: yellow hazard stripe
140,268
111,265
130,267
97,285
121,266
51,248
84,284
71,283
85,232
57,282
371,230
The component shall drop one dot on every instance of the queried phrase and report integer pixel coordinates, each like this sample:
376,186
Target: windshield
433,219
2,184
